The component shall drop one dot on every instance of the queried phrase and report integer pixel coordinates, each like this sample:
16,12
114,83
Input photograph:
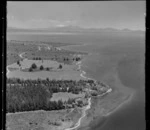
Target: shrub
47,69
80,103
41,67
78,58
33,66
18,62
60,66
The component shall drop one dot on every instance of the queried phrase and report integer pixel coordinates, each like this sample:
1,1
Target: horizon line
120,29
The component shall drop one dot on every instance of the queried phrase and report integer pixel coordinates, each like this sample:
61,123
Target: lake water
131,72
125,53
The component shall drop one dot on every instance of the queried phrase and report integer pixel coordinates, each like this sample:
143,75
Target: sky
86,14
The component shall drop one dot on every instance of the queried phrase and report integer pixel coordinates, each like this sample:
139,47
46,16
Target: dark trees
27,95
26,98
33,66
18,62
41,67
47,68
60,66
78,58
70,101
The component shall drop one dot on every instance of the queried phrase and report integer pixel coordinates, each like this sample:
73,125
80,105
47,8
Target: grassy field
49,55
41,120
12,57
14,49
42,50
65,96
67,71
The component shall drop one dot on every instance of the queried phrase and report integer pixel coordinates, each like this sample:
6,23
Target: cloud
51,22
39,23
60,25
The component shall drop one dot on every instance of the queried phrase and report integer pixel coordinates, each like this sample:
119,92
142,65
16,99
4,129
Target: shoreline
83,72
129,98
83,115
89,100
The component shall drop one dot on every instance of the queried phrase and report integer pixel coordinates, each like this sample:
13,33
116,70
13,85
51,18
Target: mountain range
71,29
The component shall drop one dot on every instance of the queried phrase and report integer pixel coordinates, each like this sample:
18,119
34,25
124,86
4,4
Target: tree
18,62
47,68
33,66
80,103
77,58
47,79
70,101
41,67
27,95
60,66
18,81
60,104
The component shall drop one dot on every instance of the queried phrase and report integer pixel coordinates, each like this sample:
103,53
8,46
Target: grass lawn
64,96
